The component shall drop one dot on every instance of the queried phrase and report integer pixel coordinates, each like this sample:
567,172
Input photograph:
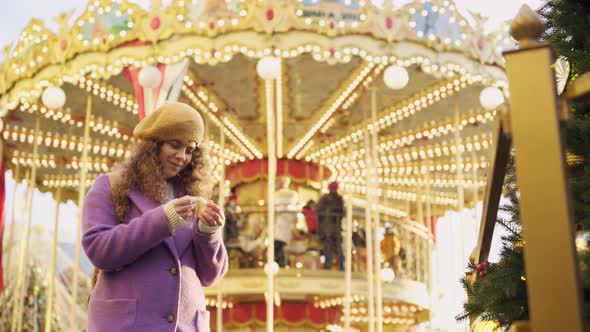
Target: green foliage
567,25
578,142
501,294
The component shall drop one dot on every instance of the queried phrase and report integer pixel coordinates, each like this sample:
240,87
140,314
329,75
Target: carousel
393,106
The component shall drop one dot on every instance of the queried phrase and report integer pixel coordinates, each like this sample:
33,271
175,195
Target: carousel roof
333,53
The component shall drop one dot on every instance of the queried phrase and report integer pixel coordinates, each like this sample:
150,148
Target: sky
15,15
43,210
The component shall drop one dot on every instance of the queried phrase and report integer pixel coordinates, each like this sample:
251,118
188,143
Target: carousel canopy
422,67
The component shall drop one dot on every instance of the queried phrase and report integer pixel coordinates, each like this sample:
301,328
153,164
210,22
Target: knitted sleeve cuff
175,221
208,229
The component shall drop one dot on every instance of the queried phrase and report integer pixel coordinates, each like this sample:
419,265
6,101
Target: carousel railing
405,276
404,252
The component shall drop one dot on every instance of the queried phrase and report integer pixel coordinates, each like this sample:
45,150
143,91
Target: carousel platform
405,302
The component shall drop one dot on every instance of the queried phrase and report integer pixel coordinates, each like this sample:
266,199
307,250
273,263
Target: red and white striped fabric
169,88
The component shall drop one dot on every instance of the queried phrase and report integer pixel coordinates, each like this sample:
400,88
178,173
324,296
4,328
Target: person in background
232,219
330,211
390,250
285,217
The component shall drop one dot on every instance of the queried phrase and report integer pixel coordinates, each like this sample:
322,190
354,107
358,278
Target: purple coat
149,280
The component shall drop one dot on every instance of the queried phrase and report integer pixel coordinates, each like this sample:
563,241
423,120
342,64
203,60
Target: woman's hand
184,207
212,215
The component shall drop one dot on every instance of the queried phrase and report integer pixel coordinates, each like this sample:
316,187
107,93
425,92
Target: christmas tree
499,291
567,24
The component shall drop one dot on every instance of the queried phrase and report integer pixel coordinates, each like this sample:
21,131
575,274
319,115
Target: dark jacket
330,211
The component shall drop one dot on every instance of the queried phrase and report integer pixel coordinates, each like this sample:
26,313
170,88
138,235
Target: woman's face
175,155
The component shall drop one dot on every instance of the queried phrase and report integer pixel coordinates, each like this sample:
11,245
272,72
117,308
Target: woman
154,252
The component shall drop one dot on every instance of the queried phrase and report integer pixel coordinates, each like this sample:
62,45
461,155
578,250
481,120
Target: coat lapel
144,204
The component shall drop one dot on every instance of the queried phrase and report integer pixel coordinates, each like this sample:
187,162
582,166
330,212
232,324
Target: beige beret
172,121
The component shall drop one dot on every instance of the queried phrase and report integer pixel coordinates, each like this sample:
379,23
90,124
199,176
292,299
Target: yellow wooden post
554,293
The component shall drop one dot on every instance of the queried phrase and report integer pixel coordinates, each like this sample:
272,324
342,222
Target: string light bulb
269,68
53,97
396,77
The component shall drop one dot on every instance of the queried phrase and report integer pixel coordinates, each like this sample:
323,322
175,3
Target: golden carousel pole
459,162
420,220
22,250
221,202
475,178
348,241
428,198
81,193
272,169
475,191
376,216
369,230
51,287
279,114
12,219
21,276
321,175
420,205
430,239
459,181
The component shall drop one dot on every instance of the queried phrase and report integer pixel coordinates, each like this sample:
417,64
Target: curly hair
143,171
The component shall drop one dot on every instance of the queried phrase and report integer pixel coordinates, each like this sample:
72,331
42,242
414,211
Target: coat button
170,318
174,271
